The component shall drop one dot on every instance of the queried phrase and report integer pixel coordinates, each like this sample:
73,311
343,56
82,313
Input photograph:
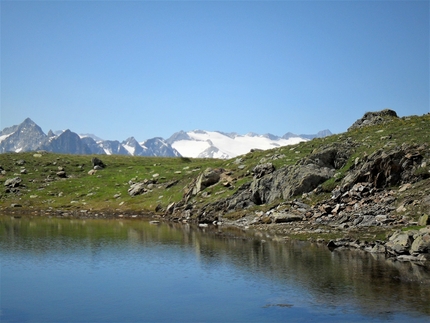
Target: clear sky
151,68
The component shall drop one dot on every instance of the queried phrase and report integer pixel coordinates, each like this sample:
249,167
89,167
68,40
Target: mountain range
28,136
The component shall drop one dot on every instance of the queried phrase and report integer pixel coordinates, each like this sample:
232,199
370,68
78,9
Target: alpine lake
135,270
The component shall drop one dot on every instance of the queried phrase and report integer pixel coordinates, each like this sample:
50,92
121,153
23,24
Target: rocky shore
380,204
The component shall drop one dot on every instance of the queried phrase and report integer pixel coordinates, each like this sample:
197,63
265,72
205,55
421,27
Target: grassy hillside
107,190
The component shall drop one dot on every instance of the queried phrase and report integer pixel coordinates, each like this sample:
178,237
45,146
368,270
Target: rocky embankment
328,192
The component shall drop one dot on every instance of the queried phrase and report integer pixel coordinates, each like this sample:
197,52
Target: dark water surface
60,270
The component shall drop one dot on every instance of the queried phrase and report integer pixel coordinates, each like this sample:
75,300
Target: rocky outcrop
263,169
288,181
206,179
331,156
374,118
269,184
386,168
12,185
137,189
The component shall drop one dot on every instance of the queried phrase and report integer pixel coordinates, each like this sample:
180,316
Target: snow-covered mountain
28,136
214,144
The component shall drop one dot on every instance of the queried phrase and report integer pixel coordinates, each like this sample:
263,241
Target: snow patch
4,137
130,149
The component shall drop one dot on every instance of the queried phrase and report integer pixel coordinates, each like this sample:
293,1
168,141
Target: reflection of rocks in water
278,305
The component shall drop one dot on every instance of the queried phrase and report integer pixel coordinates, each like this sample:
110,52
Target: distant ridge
28,136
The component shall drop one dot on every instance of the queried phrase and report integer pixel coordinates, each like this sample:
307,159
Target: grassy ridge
107,189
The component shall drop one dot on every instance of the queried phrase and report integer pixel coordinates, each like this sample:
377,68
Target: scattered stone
62,174
92,172
13,182
97,162
137,189
405,187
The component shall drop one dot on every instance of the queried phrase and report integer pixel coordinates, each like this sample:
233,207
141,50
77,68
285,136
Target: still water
62,270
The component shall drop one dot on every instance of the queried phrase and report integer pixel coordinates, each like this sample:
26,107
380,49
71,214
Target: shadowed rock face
373,118
288,181
384,169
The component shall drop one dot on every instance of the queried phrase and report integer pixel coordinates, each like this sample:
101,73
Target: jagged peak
28,120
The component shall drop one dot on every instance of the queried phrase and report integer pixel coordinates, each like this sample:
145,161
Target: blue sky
151,68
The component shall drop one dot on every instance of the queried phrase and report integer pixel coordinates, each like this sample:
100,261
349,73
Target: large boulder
208,178
400,242
288,181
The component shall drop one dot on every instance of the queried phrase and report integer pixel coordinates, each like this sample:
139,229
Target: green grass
44,189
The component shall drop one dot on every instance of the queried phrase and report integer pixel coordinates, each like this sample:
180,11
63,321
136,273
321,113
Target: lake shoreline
372,240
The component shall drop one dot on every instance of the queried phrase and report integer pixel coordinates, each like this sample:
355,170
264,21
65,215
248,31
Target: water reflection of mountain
378,286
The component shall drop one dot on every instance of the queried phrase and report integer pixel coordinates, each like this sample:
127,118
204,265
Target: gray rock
421,244
424,220
399,242
288,181
62,174
384,168
137,189
208,178
374,118
97,162
13,182
263,169
367,221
